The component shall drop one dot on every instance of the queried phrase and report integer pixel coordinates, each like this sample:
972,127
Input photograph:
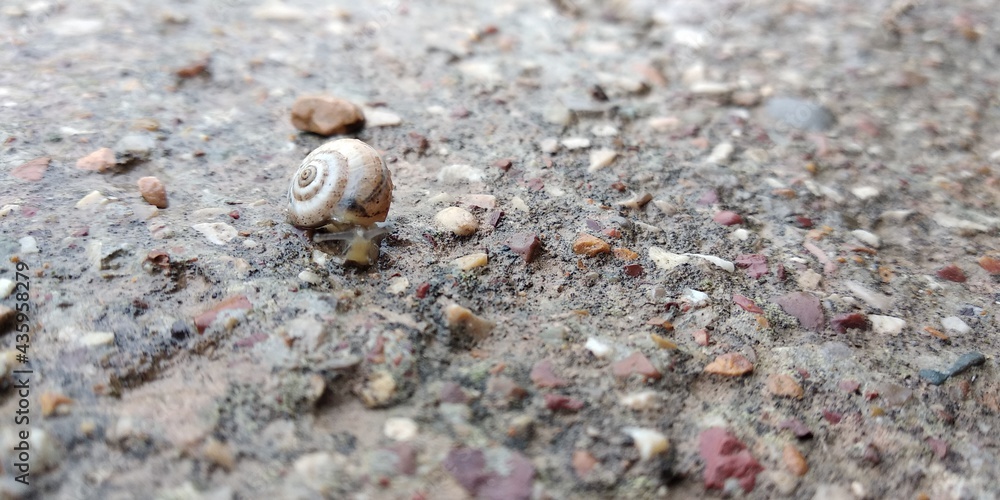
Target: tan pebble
379,390
794,460
590,246
462,321
471,261
731,364
325,115
783,385
625,254
457,220
661,342
51,401
88,427
583,463
153,191
219,453
98,161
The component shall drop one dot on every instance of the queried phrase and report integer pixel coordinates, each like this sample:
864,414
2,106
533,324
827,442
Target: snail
344,188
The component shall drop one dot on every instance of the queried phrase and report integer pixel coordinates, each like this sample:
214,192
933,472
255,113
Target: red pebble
556,402
423,289
728,218
747,304
726,457
832,416
849,385
635,363
951,273
842,322
633,270
755,264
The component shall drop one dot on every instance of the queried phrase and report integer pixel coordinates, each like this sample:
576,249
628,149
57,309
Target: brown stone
542,375
732,364
526,245
990,264
785,386
325,115
635,363
590,246
98,161
32,171
153,191
794,460
205,319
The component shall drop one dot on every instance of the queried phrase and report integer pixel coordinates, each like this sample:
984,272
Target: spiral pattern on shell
343,182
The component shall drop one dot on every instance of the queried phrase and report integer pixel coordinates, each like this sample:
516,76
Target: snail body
343,184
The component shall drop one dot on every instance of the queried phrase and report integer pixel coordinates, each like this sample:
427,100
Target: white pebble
606,130
649,442
457,220
721,153
666,260
549,145
642,400
310,277
6,288
874,299
219,233
320,257
7,209
572,143
867,238
28,245
697,298
865,192
663,123
740,234
809,279
94,198
601,158
398,285
598,348
955,324
400,429
381,118
441,199
460,173
278,12
96,339
719,262
886,325
518,204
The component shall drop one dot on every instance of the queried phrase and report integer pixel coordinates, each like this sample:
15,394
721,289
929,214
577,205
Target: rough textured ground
858,142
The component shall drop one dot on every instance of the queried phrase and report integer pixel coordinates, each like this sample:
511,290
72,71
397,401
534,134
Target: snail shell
344,183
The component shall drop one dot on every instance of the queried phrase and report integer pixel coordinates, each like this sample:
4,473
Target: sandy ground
804,188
